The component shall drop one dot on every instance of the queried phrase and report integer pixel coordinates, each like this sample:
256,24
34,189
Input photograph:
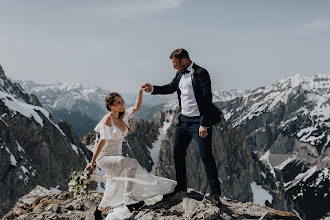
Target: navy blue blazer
202,90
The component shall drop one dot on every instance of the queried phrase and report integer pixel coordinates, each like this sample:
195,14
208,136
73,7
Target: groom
193,86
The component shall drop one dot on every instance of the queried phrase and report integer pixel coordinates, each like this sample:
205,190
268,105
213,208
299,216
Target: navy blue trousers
188,128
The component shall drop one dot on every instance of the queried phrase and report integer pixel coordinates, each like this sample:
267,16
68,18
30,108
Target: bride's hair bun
110,100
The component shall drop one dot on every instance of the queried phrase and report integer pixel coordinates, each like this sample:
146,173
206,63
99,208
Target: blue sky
119,44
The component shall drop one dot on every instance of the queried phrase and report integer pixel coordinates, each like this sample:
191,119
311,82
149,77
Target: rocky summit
42,203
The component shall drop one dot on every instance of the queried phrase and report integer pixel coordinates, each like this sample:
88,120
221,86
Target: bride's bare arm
97,151
138,101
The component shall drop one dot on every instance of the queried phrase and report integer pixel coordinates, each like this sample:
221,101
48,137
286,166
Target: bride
126,181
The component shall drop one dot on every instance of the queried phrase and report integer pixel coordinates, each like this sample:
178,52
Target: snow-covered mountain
77,97
33,149
83,106
287,125
70,96
218,95
222,95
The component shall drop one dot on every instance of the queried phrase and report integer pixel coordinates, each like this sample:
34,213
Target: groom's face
178,64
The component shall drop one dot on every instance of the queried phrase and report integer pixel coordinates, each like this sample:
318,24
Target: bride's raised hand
147,87
90,167
142,88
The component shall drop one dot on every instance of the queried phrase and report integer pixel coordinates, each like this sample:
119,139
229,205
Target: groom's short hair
179,54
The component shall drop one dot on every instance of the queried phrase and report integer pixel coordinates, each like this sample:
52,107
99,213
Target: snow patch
301,177
13,160
20,148
27,110
227,115
154,151
286,162
75,148
266,158
55,189
260,195
25,171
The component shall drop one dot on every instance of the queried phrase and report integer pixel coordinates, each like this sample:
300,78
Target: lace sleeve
128,114
104,131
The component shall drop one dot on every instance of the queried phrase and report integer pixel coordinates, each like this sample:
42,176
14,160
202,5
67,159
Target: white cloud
308,28
135,8
316,26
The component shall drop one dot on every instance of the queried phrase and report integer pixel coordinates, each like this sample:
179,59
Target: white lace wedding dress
126,181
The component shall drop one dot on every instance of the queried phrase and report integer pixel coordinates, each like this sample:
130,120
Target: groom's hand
202,131
147,87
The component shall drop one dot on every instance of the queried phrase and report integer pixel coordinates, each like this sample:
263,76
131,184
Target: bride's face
118,105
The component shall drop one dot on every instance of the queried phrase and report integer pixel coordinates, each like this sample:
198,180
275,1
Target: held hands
90,167
202,132
142,88
147,87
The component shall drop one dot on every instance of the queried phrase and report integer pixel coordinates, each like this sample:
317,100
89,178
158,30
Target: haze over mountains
82,106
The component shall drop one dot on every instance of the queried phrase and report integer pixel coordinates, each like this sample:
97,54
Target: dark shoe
135,207
215,200
139,205
97,214
167,197
130,208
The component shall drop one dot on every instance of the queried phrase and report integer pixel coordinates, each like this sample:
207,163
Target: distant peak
297,79
69,85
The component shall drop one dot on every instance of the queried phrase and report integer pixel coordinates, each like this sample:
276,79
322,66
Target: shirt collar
190,67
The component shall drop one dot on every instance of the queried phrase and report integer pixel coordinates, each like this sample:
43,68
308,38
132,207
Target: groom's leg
181,142
204,146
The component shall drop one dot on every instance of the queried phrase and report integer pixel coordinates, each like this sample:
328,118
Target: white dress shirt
189,105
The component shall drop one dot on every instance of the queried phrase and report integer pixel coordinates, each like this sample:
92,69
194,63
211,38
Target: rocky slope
41,203
34,150
243,177
81,123
287,125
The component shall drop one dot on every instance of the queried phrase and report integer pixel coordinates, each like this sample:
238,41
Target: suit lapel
178,78
194,80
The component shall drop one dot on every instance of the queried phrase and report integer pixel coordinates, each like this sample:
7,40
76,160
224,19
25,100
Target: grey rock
32,153
193,206
237,166
296,127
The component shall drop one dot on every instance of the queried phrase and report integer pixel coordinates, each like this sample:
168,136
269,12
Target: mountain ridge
287,125
34,150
